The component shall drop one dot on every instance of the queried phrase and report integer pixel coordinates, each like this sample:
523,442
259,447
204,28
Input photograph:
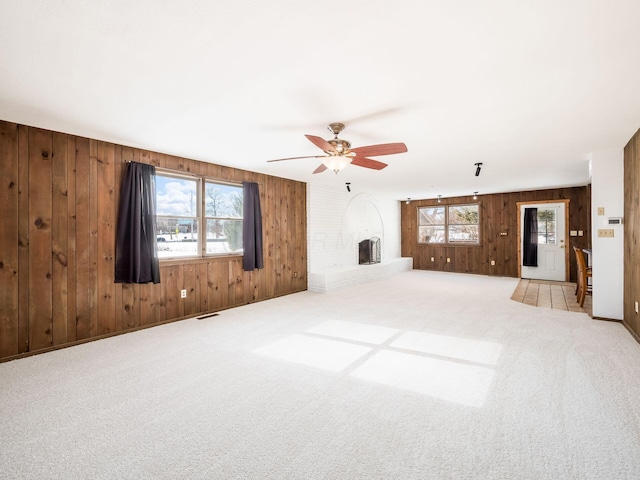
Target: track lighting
475,194
478,167
348,184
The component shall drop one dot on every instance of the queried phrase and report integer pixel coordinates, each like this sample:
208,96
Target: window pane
177,237
223,200
431,216
176,196
547,226
463,233
224,236
431,234
463,215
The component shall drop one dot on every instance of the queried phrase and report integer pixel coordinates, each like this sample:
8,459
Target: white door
551,242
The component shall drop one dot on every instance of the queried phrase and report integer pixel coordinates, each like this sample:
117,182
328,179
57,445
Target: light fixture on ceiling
475,195
439,198
478,167
408,200
337,162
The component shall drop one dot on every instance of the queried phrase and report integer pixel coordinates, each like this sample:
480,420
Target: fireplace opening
369,251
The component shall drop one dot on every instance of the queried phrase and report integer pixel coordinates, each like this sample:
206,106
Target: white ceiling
528,88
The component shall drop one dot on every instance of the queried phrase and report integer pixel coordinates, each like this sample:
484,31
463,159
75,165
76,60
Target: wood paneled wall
59,198
499,214
632,233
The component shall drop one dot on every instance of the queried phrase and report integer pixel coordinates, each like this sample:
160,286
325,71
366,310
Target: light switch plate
600,210
605,232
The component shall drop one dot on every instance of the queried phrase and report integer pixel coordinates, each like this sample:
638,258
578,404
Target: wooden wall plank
189,283
23,239
59,238
632,233
172,280
147,312
83,240
119,303
222,280
40,248
9,339
201,299
105,239
92,286
71,239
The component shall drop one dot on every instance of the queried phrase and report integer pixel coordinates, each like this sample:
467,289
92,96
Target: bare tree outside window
224,210
187,203
547,226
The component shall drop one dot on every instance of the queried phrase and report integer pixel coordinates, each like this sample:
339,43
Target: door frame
567,270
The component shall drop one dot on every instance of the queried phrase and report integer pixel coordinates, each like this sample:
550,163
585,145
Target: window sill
170,262
449,244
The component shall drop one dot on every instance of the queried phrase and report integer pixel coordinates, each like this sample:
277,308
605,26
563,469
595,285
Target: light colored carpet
425,375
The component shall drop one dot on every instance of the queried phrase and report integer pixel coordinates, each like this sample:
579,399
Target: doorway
552,262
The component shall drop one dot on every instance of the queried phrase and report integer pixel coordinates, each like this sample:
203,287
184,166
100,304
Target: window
547,226
449,224
185,204
223,210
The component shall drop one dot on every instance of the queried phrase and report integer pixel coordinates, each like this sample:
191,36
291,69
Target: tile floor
557,295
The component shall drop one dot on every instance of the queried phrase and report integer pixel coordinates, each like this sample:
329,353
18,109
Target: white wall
607,191
337,220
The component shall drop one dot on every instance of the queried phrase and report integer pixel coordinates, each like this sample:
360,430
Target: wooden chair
584,273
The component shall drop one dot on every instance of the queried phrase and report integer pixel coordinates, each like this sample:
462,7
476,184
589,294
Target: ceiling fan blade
368,163
296,158
320,169
321,143
382,149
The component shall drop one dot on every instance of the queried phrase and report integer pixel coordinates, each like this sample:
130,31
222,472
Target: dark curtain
136,248
530,238
252,228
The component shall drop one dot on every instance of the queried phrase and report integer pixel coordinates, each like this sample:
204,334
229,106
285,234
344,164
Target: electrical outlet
605,232
295,274
433,259
636,307
493,262
183,294
448,260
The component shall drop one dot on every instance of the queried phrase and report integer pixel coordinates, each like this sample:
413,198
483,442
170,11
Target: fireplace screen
369,251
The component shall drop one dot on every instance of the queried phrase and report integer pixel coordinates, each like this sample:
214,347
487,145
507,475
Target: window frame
447,225
201,216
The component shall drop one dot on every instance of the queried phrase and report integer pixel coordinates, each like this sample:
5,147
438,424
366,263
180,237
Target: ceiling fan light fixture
337,162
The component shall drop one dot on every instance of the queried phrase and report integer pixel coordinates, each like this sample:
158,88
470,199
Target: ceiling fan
339,153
